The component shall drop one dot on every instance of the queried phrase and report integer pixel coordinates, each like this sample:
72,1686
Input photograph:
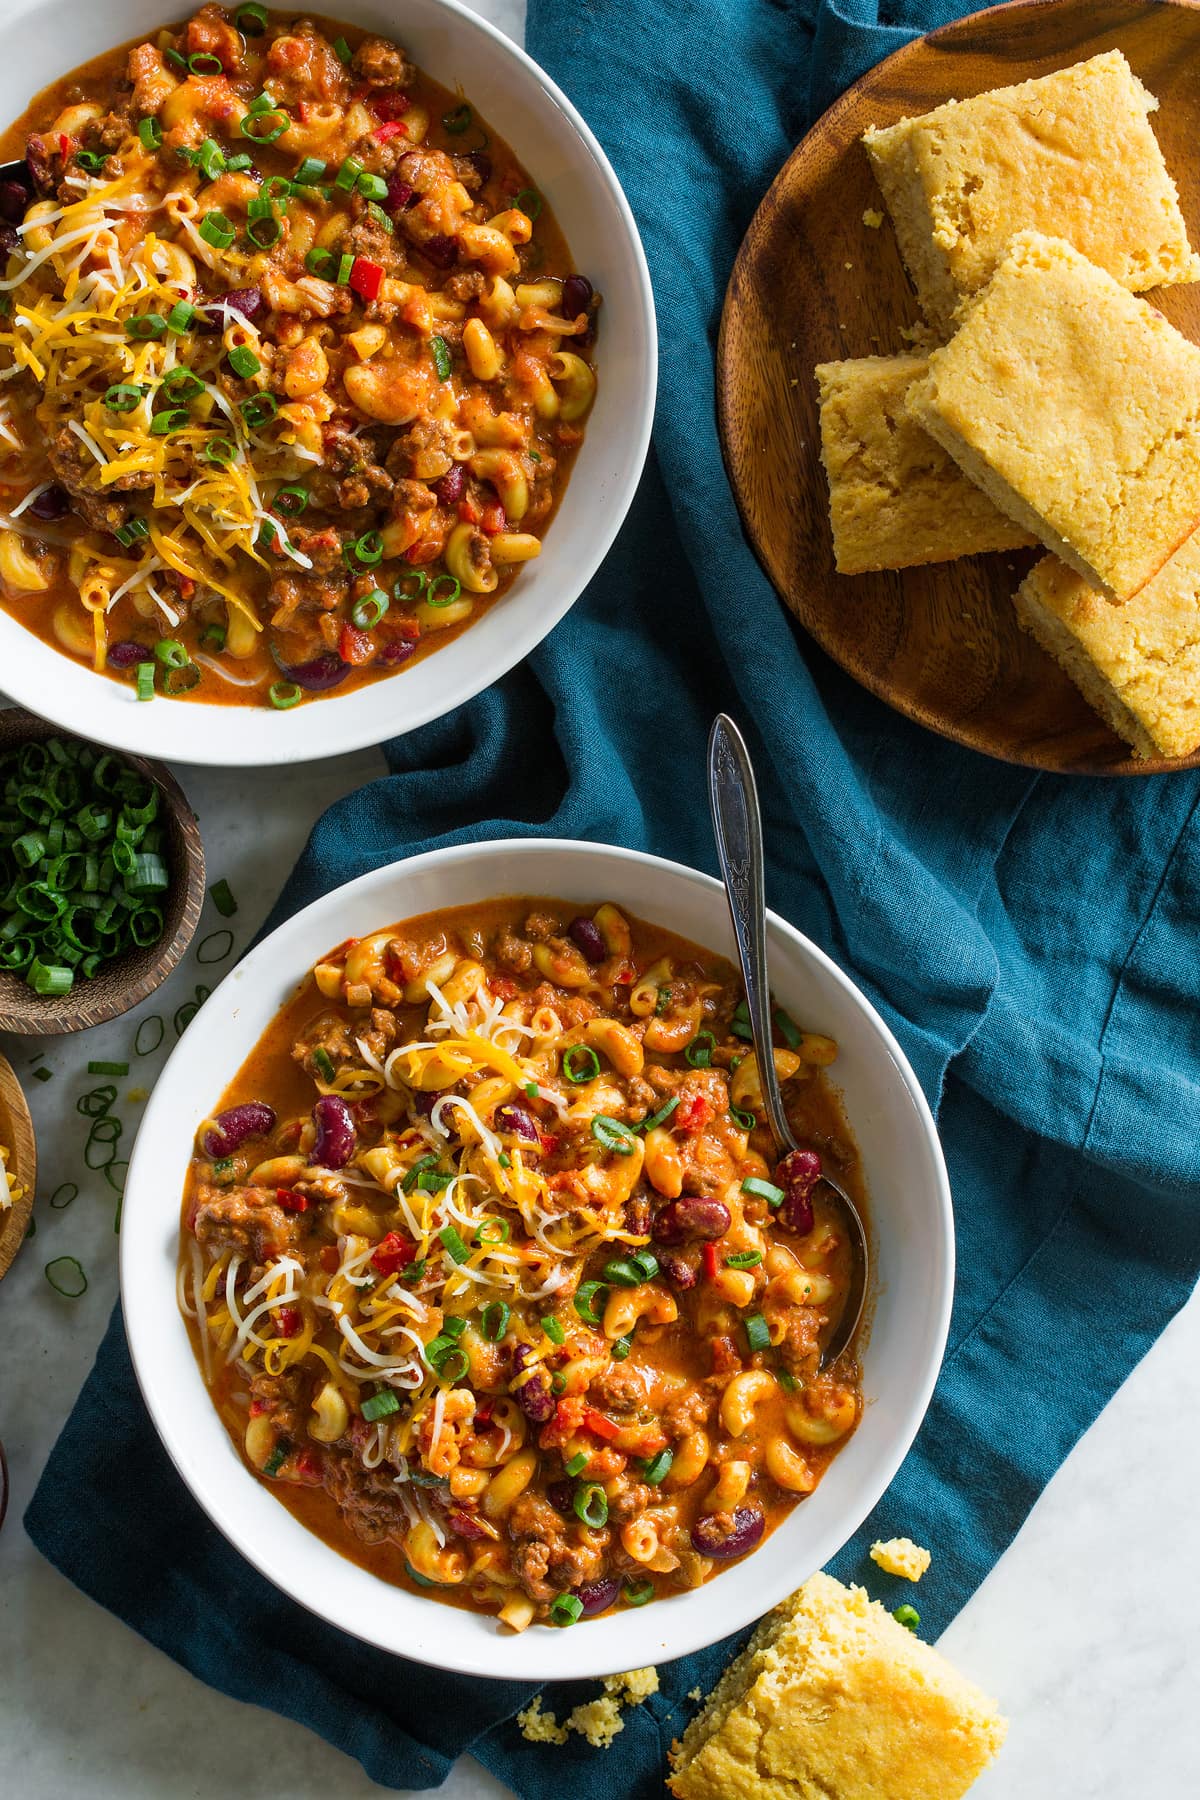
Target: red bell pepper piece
390,104
494,519
366,277
392,1253
692,1115
290,1200
603,1427
708,1256
389,129
354,646
467,512
289,1321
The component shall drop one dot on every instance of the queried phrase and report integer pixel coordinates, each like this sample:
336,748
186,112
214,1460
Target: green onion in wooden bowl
101,878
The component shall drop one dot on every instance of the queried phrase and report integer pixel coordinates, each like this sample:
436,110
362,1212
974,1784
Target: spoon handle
737,824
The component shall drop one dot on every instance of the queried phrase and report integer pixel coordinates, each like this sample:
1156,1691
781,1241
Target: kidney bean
516,1120
585,935
231,1129
248,301
561,1495
399,193
464,1523
450,487
10,240
576,296
392,103
637,1214
713,1536
598,1596
55,503
127,654
482,164
797,1174
397,650
679,1273
336,1137
442,252
534,1397
690,1217
14,198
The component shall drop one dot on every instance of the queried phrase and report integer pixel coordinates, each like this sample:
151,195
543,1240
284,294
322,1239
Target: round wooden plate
16,1134
812,283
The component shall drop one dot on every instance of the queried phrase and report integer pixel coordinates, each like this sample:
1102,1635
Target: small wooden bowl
16,1134
129,979
812,283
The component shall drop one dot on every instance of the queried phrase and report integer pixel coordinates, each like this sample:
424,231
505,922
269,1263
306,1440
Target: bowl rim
293,738
524,1657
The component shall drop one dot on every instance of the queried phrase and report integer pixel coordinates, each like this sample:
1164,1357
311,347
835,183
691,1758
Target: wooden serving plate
129,979
16,1134
812,283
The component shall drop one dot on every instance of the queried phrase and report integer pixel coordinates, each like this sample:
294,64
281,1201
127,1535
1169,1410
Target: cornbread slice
832,1697
1071,154
895,497
900,1556
1076,408
1138,665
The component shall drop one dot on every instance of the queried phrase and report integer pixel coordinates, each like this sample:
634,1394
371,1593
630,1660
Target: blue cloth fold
1030,939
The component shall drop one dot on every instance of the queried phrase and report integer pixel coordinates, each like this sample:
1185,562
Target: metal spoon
737,824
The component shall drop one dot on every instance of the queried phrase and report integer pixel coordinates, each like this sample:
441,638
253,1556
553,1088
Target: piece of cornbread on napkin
832,1697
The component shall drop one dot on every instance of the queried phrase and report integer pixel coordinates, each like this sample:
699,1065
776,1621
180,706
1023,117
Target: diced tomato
187,587
483,1414
503,988
355,646
329,1258
711,1261
291,1201
289,1321
366,277
392,1253
424,550
257,1408
692,1115
302,111
64,144
603,1427
390,104
468,512
549,1142
389,129
565,1422
494,519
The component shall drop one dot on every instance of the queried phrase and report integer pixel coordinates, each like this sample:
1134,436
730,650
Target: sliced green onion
786,1380
155,1023
746,1120
174,58
222,942
264,230
65,1275
251,19
453,1327
216,230
378,1406
699,1052
63,1195
758,1332
381,218
565,1609
276,1460
259,409
456,122
318,261
591,1505
658,1468
658,1118
368,548
577,1464
348,175
150,132
646,1263
146,325
324,1063
613,1135
91,161
236,165
529,202
789,1031
764,1190
622,1273
367,612
209,159
291,500
222,451
123,397
621,1347
243,362
342,49
174,419
441,357
453,590
908,1616
580,1063
49,979
446,1359
371,187
203,62
29,849
345,265
221,895
744,1259
171,653
455,1248
494,1318
554,1330
180,317
108,1068
493,1231
586,1303
254,125
637,1593
311,170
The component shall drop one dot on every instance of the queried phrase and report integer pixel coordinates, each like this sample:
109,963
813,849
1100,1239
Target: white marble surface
1086,1629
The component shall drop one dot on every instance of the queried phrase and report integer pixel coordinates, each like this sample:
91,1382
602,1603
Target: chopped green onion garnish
146,325
157,1033
580,1063
175,418
311,170
494,1318
251,19
266,126
181,385
529,202
203,62
209,159
441,357
658,1118
323,1063
456,122
342,49
789,1031
276,1460
586,1303
638,1592
368,549
531,1090
367,612
591,1505
171,653
493,1231
259,409
699,1052
145,681
49,979
372,187
453,590
622,1273
565,1609
108,1068
91,161
123,397
744,1259
173,57
63,1195
658,1468
907,1616
318,261
348,175
746,1120
243,362
455,1248
216,230
222,451
554,1330
65,1275
264,230
577,1464
786,1380
378,1406
621,1347
150,132
758,1332
765,1190
180,316
291,499
222,898
222,944
613,1135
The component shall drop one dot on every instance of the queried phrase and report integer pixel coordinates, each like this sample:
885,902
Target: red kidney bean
576,296
679,1273
318,675
598,1596
517,1121
336,1137
14,199
55,503
127,654
10,240
450,487
561,1495
637,1215
231,1129
399,193
712,1536
397,650
248,301
585,935
464,1523
482,165
392,103
690,1217
534,1397
442,252
797,1174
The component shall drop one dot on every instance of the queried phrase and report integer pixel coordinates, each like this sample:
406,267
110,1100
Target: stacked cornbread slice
1061,409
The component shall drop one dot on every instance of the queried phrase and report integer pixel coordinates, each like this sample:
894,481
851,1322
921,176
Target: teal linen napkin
1031,940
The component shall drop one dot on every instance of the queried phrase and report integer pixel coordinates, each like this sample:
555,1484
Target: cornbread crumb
833,1697
900,1556
895,496
872,219
695,1693
597,1720
1138,665
1071,153
1076,408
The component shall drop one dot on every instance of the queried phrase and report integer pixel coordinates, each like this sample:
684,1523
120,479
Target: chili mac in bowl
481,1188
309,421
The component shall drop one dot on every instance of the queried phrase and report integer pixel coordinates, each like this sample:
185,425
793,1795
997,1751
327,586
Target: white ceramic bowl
567,164
913,1229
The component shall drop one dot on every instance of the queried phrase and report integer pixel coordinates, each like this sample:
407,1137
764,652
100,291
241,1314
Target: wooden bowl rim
727,384
59,1018
18,1137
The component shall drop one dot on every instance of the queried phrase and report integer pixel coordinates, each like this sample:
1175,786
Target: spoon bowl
737,824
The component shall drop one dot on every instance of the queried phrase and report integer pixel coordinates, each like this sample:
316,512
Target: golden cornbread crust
1071,154
1076,408
833,1698
895,497
1138,665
